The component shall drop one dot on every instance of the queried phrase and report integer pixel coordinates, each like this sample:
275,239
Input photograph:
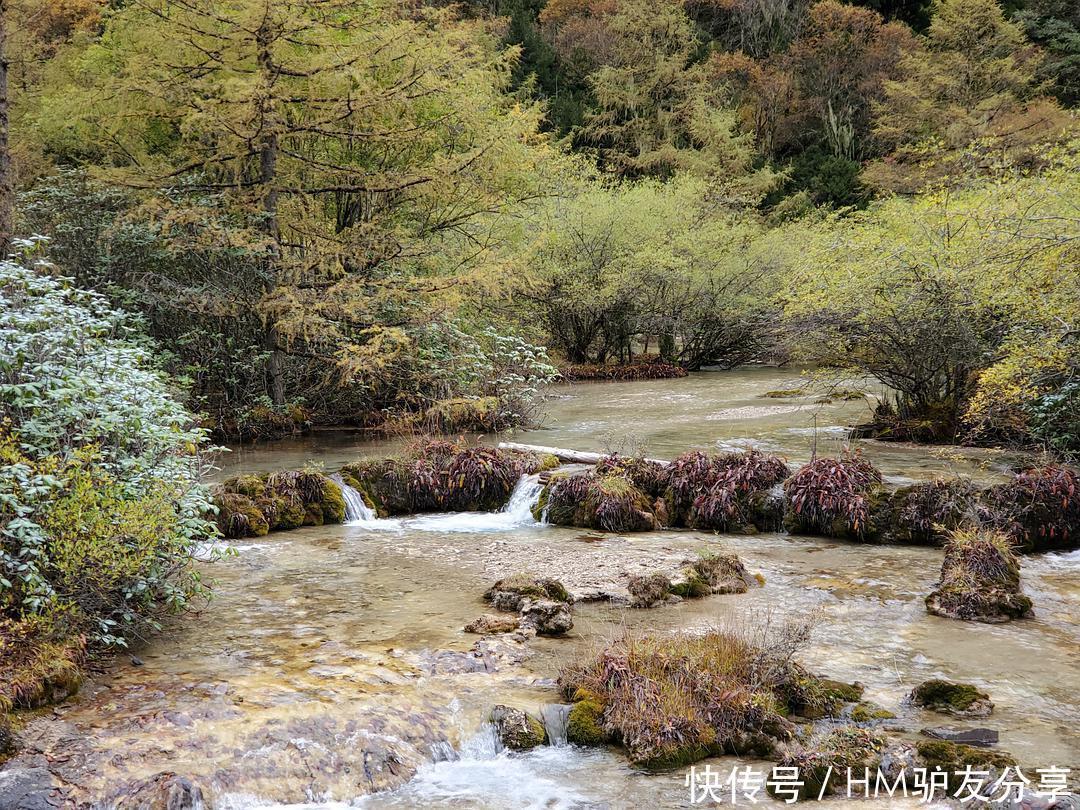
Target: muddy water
332,665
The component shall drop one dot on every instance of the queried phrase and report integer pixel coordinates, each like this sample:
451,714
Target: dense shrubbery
102,505
830,496
1039,509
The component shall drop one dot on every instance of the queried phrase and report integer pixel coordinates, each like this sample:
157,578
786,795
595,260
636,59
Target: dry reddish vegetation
641,370
829,496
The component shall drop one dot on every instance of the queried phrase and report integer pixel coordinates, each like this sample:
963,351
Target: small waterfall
524,497
555,716
356,510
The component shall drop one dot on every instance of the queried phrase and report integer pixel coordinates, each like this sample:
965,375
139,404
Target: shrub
648,476
823,768
673,699
925,513
565,496
980,579
103,503
614,504
829,496
1039,509
734,477
639,370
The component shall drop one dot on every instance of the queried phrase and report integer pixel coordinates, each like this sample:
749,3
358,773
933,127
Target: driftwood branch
562,454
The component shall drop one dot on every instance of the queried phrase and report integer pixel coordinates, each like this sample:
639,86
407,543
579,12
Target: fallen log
562,454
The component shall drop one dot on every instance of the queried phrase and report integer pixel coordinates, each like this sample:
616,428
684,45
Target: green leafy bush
102,505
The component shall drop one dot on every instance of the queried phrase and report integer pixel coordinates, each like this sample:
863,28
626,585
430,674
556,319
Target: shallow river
332,663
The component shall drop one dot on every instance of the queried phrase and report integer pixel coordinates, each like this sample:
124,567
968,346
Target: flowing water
331,669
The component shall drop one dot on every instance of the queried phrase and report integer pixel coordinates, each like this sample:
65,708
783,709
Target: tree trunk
268,154
7,182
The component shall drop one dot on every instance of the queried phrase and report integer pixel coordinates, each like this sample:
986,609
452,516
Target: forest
240,221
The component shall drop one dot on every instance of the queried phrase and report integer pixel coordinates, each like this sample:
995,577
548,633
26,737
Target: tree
1054,25
656,112
963,301
7,183
348,151
974,80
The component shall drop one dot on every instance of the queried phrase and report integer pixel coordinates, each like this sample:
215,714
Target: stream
331,670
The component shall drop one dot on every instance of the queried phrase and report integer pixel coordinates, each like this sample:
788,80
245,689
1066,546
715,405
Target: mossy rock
648,590
869,713
313,515
516,729
954,759
584,725
958,699
332,505
784,393
823,765
239,516
251,485
287,515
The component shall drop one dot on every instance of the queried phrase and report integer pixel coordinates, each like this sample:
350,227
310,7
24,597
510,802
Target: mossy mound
806,695
723,492
585,723
957,699
834,497
442,476
673,699
925,513
726,492
605,502
954,759
253,505
38,667
713,573
823,765
980,580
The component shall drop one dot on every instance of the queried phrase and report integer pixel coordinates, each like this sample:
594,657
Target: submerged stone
978,737
489,624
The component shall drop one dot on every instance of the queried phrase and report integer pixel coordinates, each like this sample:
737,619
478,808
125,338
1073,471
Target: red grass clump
828,496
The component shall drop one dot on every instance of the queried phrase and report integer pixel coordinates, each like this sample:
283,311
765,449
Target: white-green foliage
79,388
487,363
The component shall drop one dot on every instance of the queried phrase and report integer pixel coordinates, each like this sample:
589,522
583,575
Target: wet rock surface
516,729
163,791
547,617
978,737
29,788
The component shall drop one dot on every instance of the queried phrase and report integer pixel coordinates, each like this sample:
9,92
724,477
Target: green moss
783,393
7,738
868,712
239,516
253,486
584,725
947,696
953,759
288,515
332,504
548,461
